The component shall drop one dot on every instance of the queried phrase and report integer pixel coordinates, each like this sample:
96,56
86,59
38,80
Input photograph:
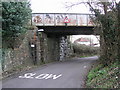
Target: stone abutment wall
65,48
37,49
55,48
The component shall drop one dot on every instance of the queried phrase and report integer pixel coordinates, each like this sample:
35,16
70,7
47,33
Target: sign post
66,20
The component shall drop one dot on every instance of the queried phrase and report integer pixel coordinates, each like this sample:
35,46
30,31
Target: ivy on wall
15,16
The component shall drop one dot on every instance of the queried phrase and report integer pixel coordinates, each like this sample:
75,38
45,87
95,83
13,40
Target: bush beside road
84,50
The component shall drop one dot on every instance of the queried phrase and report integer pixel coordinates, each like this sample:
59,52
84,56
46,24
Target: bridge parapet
59,19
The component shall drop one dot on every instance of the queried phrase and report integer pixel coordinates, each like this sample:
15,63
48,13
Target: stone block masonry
65,48
17,57
48,48
55,48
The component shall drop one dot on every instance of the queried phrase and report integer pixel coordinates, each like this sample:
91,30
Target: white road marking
28,75
41,76
50,76
53,76
84,66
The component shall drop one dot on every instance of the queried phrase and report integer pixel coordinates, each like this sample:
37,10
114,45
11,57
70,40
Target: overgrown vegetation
104,77
107,23
83,50
15,17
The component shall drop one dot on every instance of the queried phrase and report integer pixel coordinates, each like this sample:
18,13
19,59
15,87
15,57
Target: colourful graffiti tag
59,19
37,19
82,20
90,22
48,19
73,20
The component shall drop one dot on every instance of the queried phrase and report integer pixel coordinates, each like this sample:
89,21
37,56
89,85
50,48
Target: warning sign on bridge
66,20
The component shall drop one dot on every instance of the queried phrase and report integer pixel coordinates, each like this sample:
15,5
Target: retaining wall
48,48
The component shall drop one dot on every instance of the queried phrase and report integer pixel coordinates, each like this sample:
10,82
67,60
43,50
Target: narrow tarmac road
67,74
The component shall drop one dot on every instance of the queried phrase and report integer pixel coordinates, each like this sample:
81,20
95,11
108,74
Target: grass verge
104,77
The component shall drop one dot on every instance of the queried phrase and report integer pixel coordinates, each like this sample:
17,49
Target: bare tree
106,17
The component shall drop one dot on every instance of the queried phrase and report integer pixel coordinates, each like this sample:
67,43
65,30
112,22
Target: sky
56,6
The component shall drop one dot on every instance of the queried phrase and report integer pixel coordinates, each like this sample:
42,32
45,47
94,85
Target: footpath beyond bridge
64,23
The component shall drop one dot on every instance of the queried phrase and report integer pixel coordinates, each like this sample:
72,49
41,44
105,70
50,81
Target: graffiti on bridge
59,19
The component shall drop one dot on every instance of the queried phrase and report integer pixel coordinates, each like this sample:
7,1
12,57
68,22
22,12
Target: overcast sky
56,6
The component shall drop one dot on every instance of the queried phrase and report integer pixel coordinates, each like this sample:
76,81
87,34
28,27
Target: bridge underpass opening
57,32
89,40
81,45
59,45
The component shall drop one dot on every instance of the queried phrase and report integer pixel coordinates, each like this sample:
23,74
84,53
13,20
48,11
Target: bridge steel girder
60,19
67,30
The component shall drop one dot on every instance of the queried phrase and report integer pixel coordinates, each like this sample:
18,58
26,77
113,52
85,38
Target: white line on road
40,76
